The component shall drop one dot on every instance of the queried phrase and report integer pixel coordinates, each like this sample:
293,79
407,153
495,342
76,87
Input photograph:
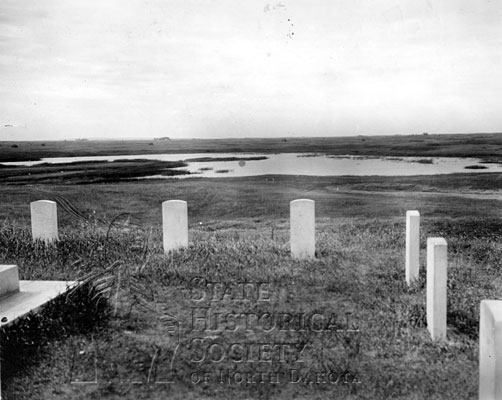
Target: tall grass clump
74,254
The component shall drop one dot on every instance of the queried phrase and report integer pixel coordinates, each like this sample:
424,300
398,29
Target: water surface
314,164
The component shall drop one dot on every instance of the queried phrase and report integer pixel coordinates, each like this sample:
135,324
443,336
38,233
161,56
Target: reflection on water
301,164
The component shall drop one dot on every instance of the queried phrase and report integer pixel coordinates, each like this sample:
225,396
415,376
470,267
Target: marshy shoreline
487,146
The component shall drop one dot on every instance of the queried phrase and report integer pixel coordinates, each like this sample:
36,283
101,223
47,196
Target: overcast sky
248,68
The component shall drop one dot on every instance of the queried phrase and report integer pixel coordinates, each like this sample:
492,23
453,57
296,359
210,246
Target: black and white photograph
243,199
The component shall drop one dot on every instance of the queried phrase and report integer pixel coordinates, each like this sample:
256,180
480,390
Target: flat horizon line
167,138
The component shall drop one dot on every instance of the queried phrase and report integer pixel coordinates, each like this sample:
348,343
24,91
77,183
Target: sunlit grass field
377,344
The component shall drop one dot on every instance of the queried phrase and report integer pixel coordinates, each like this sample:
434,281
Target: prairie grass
357,274
110,234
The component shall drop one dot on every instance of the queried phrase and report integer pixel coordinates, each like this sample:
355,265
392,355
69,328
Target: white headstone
302,226
9,280
412,245
436,287
490,350
44,220
175,224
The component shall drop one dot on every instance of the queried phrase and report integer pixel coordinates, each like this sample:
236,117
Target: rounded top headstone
43,202
413,213
436,240
175,202
302,201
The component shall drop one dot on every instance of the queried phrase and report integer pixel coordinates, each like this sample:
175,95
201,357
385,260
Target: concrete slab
31,296
9,280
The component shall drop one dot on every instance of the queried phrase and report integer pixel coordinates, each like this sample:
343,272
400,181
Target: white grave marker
436,287
9,280
490,350
44,220
175,224
302,226
412,245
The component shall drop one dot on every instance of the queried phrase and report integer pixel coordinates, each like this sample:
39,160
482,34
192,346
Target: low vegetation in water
425,161
475,167
487,145
215,159
89,171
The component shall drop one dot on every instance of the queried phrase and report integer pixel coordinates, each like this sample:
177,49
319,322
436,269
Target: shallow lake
300,164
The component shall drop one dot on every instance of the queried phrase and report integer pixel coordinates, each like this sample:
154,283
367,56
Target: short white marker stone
412,245
490,350
302,228
44,220
175,224
436,287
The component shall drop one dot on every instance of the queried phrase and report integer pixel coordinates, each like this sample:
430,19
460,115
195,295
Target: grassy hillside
376,344
358,270
264,197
